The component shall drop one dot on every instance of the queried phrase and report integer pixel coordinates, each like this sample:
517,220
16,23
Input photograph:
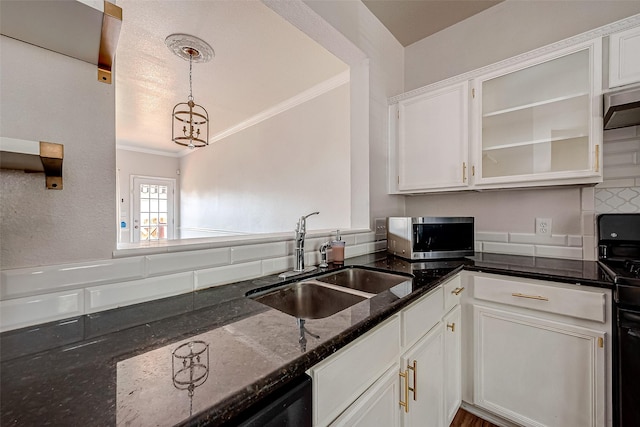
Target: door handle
405,403
414,389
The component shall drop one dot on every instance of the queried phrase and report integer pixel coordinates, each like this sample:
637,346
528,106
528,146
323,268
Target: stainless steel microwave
422,238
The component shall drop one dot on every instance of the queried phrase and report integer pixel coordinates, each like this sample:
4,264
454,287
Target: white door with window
153,208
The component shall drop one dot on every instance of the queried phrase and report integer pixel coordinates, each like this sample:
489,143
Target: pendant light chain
190,72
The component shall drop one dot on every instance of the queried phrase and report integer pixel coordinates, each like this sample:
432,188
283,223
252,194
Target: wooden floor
465,419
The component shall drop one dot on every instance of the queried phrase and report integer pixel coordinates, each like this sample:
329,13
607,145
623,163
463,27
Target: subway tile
477,246
378,246
127,293
558,252
32,310
530,238
227,274
189,260
486,236
508,248
574,241
355,250
256,252
277,265
37,280
365,238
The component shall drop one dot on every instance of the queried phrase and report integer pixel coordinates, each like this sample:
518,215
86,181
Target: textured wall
50,97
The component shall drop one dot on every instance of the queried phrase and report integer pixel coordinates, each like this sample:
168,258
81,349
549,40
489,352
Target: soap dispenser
337,249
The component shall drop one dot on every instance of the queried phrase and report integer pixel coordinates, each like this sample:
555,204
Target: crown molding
301,98
605,30
147,150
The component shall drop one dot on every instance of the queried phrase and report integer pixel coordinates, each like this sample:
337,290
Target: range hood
622,108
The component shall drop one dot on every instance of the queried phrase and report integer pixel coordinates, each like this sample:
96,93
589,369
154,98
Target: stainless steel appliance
619,253
423,238
622,108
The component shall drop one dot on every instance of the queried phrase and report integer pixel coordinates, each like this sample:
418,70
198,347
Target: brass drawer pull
451,326
405,404
538,297
457,291
414,389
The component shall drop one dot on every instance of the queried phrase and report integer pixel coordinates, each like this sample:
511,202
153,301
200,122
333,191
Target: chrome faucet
301,230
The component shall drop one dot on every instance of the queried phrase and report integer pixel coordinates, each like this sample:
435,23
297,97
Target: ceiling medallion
190,122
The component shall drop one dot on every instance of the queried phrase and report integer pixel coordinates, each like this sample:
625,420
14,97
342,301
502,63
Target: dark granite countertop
124,366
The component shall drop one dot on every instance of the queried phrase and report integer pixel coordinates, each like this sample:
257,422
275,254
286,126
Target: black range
619,253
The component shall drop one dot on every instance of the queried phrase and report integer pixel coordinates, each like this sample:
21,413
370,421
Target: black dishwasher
288,408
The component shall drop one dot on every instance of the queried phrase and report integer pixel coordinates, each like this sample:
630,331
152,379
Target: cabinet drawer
571,302
421,316
452,293
340,379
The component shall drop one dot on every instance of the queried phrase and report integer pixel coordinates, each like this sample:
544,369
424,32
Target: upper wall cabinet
432,139
83,29
540,122
532,120
624,57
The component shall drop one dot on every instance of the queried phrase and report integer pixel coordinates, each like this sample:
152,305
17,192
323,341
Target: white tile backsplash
27,311
115,295
558,252
33,281
227,274
182,261
508,248
536,239
255,252
486,236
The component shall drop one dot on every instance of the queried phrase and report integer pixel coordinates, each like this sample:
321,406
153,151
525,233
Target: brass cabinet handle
451,326
597,158
457,291
405,404
414,389
538,297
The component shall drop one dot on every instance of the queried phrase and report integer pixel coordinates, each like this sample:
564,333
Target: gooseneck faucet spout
301,230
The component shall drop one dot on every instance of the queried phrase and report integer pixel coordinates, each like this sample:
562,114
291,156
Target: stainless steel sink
310,299
365,280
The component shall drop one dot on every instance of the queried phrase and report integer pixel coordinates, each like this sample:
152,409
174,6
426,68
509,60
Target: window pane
163,218
144,205
162,230
163,191
162,206
144,191
144,233
144,218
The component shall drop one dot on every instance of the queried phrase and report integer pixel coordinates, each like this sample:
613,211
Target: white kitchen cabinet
537,372
541,354
377,407
422,386
431,140
452,364
624,57
539,121
339,380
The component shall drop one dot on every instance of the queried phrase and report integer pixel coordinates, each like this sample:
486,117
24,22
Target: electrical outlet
381,228
543,226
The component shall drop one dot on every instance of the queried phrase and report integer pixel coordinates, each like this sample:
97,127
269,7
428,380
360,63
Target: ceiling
260,60
413,20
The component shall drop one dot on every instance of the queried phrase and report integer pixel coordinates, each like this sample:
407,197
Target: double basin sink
326,294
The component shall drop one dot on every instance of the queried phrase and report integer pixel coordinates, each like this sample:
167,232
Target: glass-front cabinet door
540,120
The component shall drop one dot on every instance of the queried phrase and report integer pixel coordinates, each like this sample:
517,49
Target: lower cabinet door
377,407
452,364
538,372
422,384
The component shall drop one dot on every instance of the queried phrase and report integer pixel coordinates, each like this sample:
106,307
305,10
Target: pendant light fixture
190,121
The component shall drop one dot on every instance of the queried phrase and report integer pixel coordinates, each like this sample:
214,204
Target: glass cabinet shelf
535,104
